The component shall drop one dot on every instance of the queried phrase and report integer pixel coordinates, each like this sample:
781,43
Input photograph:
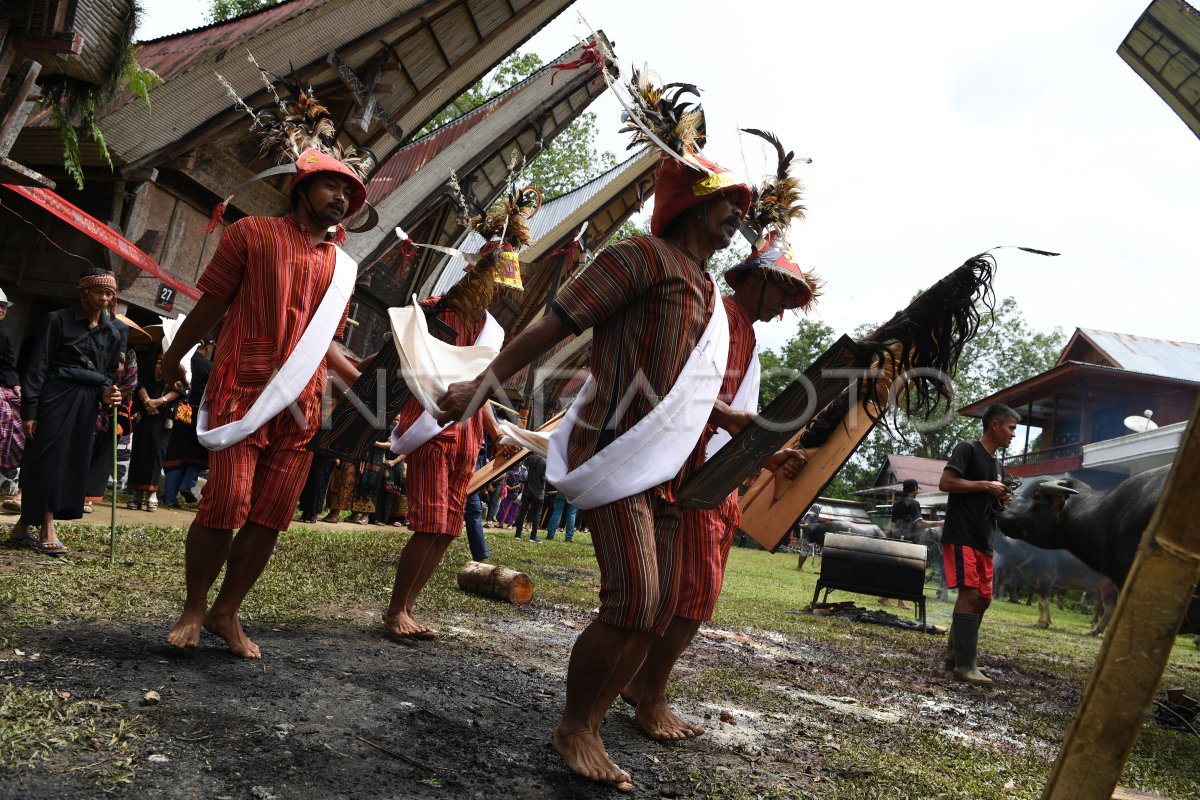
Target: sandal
152,504
52,548
134,505
29,540
87,507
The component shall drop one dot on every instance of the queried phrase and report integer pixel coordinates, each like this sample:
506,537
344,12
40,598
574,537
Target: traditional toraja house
1163,47
895,470
383,68
410,192
603,205
1100,379
62,45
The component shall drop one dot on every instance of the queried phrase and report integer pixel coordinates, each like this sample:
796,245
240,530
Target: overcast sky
937,130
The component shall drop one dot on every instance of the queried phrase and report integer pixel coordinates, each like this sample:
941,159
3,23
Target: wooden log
489,580
1139,639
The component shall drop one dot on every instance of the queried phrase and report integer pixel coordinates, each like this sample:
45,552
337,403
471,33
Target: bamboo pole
112,525
1139,639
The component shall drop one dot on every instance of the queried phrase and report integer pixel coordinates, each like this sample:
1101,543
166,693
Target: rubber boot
948,653
966,642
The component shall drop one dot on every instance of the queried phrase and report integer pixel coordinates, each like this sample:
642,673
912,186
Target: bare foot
585,755
230,629
658,721
401,625
186,632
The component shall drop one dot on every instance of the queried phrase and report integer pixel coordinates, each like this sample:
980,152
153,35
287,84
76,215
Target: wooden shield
772,430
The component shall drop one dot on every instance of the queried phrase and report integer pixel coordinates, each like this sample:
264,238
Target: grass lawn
323,575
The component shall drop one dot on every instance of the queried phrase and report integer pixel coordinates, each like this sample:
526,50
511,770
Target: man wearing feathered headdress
441,460
659,346
765,283
282,287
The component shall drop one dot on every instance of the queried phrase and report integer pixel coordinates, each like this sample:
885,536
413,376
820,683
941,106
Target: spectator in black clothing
12,434
906,513
185,456
72,371
533,497
973,479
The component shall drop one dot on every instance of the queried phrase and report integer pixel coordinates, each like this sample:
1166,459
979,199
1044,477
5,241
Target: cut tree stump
489,580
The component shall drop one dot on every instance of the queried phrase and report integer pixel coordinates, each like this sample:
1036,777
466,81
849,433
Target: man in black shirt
533,497
972,478
906,513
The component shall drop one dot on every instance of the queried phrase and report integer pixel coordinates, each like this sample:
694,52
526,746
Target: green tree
222,10
780,368
1006,351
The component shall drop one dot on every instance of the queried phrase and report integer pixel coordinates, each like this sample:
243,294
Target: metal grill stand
877,567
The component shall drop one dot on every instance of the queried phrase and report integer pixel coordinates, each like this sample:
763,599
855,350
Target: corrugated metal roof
927,472
477,147
550,217
1162,357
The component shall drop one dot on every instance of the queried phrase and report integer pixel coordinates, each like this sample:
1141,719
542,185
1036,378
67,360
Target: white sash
297,369
169,328
426,427
745,399
533,441
654,450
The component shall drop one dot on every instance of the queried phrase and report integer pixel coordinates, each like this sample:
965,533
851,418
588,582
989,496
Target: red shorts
436,482
967,568
705,538
636,541
260,478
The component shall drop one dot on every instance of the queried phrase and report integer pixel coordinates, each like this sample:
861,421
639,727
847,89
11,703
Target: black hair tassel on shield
928,336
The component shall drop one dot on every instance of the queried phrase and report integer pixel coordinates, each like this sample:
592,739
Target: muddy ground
469,715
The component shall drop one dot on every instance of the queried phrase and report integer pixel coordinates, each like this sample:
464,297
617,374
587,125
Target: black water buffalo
1048,570
815,531
1103,529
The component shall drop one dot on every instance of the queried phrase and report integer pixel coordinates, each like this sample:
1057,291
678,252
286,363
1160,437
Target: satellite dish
1141,424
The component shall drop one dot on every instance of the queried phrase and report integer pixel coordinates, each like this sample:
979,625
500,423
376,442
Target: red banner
78,218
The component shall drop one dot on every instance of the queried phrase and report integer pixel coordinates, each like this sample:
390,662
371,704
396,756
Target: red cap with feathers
678,187
657,115
313,162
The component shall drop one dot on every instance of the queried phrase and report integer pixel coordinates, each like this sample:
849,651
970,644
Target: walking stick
112,525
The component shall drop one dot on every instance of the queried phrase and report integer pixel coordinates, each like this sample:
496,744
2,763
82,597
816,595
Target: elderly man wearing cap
72,369
659,346
282,287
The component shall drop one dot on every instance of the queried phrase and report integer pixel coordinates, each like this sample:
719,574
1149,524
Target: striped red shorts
967,568
636,541
704,541
260,478
436,484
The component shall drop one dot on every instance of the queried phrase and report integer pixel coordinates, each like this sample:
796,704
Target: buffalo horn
1055,487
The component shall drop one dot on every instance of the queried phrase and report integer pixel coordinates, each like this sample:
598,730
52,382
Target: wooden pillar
1139,639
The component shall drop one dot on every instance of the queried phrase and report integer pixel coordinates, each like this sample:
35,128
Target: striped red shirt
272,278
647,303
